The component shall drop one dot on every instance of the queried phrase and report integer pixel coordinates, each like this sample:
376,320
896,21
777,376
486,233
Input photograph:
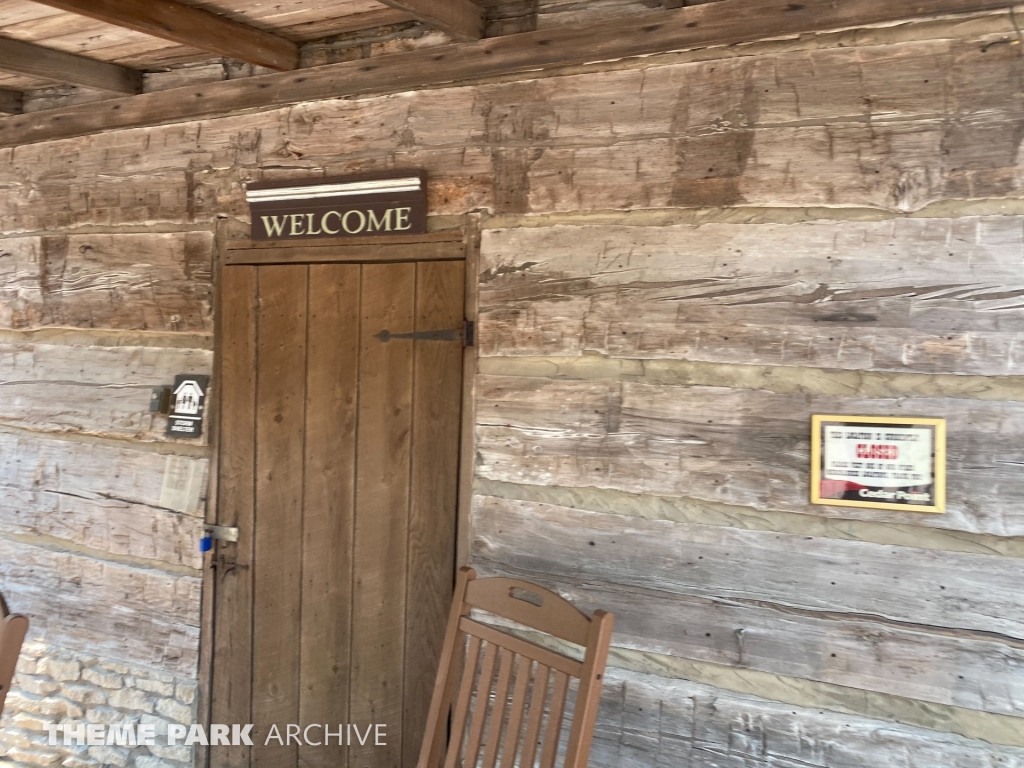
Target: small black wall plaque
392,203
188,404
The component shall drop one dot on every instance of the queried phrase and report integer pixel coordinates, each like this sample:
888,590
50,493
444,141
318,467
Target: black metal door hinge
466,334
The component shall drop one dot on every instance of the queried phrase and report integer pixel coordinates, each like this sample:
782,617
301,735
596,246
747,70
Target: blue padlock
206,544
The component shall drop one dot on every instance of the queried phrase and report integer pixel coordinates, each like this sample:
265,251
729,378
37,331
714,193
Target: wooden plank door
339,465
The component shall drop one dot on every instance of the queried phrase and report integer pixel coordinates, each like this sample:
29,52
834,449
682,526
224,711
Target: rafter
190,26
10,102
463,20
21,58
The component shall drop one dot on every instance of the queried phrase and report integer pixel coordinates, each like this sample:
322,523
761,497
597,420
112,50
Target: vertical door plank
433,508
280,383
382,508
231,687
328,510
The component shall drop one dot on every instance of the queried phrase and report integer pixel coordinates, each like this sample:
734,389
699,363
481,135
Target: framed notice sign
880,462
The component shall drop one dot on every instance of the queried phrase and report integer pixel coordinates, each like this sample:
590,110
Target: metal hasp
465,334
222,532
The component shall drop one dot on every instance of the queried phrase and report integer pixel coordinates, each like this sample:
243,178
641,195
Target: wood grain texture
113,198
647,720
82,470
21,58
329,504
11,102
559,144
92,390
884,594
231,683
67,597
65,490
743,447
195,27
155,282
686,28
433,500
462,20
281,346
313,253
382,508
858,653
914,295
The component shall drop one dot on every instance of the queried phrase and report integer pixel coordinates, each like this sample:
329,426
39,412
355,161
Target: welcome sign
347,206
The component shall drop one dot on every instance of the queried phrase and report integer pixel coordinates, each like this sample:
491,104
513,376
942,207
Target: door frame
461,242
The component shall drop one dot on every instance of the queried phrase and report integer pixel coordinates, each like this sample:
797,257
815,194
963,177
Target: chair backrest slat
461,712
524,671
487,723
481,705
525,648
13,628
493,738
556,712
537,702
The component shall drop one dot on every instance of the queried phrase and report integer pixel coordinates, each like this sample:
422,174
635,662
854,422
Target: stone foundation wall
56,687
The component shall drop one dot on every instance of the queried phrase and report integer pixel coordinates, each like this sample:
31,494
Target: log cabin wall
682,258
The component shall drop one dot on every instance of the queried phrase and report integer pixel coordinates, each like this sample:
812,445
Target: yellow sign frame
939,453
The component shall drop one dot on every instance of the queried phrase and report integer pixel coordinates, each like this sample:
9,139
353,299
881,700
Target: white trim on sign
312,192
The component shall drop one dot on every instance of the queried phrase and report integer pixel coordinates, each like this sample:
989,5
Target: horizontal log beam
722,23
171,289
462,20
190,26
21,58
10,102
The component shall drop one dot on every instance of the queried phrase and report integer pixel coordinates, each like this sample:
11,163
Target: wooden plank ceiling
108,45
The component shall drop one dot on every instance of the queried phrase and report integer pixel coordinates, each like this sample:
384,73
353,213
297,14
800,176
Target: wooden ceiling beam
21,58
190,26
10,102
462,20
722,23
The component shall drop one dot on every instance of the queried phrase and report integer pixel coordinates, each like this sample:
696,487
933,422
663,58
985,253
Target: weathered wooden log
115,611
743,447
861,653
921,295
712,24
98,471
116,500
819,127
92,390
155,282
948,592
651,721
112,526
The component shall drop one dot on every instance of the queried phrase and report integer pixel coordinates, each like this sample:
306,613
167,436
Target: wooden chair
13,628
487,724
